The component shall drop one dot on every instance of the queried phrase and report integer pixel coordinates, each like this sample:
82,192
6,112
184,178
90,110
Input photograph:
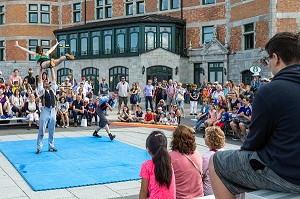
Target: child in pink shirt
158,180
215,140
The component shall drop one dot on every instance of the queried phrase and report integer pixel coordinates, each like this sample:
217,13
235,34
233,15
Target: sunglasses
265,61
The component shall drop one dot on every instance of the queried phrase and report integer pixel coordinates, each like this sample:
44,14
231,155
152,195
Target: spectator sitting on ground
219,115
242,121
148,118
234,113
212,116
78,108
163,119
27,95
215,140
66,85
221,100
17,103
62,110
157,114
91,110
7,91
4,105
177,112
184,156
224,118
32,111
26,86
248,93
125,115
138,116
173,121
202,116
233,100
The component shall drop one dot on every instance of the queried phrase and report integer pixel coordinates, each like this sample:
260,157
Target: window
150,38
134,39
35,11
249,36
129,7
45,44
2,50
204,2
120,41
83,44
62,42
73,44
92,75
107,41
76,12
2,16
178,40
215,72
140,7
61,73
164,4
165,37
198,73
104,9
115,75
207,33
96,43
174,4
45,14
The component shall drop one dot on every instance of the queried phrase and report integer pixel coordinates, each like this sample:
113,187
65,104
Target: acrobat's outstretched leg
55,62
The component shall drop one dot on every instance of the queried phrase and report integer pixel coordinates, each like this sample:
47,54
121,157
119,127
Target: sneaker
69,57
52,63
236,138
112,137
52,150
95,134
38,151
89,124
191,114
29,128
75,124
10,116
3,117
66,127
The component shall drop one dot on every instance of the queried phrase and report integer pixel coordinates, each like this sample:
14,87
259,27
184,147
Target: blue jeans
76,113
199,122
47,116
149,98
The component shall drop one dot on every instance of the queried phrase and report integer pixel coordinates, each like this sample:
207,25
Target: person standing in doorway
123,89
47,93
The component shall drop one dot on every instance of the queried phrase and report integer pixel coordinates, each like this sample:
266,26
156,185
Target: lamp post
64,47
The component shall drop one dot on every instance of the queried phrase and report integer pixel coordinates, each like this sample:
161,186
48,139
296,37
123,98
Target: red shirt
149,117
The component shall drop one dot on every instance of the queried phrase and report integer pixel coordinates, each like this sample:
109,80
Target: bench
13,121
268,194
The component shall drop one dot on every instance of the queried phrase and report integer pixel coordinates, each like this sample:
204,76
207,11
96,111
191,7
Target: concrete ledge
267,194
13,121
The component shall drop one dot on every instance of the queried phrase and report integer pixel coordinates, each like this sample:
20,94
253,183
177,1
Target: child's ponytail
157,145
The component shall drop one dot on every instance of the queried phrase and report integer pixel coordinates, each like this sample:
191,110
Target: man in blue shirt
104,103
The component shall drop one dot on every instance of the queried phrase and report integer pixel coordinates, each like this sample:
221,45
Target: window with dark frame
140,7
2,15
33,13
104,9
45,14
133,7
32,47
76,12
163,5
207,34
249,36
39,13
205,2
174,4
2,47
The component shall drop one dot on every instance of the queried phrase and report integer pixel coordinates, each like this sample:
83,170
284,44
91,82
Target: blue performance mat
80,161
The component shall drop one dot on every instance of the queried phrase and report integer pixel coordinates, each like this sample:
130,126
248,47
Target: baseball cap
255,74
149,109
159,108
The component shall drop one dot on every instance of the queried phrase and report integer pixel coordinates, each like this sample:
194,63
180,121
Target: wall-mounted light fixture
176,70
143,70
225,72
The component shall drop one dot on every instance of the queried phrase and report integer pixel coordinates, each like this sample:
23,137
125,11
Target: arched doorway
115,74
62,74
92,74
161,72
246,77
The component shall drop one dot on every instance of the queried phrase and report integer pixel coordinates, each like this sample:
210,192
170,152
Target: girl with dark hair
42,57
158,181
17,103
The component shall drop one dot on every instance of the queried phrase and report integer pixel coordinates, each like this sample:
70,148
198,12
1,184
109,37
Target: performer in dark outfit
104,103
42,58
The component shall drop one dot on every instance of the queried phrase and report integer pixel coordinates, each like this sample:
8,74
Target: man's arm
40,81
53,75
261,126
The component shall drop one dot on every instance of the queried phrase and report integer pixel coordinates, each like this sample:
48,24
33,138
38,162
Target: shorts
123,99
221,125
170,101
243,171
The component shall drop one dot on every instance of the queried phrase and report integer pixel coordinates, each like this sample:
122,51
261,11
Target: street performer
105,103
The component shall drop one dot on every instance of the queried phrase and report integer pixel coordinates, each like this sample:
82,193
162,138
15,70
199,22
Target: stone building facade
208,39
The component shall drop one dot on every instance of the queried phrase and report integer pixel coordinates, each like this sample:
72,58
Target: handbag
83,122
200,172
